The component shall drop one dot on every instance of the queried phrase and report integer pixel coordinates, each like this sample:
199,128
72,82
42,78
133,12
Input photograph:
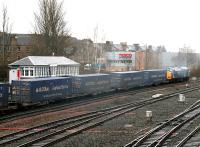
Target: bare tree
5,43
186,57
52,35
5,37
83,52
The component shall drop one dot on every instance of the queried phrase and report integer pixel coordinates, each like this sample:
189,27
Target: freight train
42,90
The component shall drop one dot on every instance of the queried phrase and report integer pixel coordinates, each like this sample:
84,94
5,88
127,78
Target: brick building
18,46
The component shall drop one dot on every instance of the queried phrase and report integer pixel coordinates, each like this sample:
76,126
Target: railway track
192,139
51,133
67,105
162,134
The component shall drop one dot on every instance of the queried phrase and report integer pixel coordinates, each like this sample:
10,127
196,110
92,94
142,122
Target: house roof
23,39
44,60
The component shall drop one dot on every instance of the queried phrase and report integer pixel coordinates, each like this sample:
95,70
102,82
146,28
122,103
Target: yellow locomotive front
169,75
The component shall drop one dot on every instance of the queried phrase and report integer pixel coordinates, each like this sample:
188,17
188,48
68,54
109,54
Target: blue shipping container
157,76
41,89
91,83
4,94
127,80
181,73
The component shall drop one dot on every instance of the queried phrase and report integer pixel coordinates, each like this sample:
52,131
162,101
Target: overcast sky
173,23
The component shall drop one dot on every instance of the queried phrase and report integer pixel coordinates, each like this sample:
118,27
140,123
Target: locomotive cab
169,75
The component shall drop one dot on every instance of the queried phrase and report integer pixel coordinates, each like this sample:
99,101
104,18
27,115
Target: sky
172,23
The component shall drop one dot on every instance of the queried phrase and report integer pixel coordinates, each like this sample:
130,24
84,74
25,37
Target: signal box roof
44,61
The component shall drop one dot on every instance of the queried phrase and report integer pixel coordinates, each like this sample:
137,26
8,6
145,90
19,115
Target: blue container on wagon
4,94
156,77
185,72
28,91
127,80
180,73
91,84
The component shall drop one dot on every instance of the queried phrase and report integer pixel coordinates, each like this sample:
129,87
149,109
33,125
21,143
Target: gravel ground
124,129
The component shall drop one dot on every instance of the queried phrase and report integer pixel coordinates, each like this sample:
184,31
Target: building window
18,49
45,72
18,57
26,72
42,71
54,70
36,71
39,71
28,49
67,70
58,71
9,49
22,71
31,72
